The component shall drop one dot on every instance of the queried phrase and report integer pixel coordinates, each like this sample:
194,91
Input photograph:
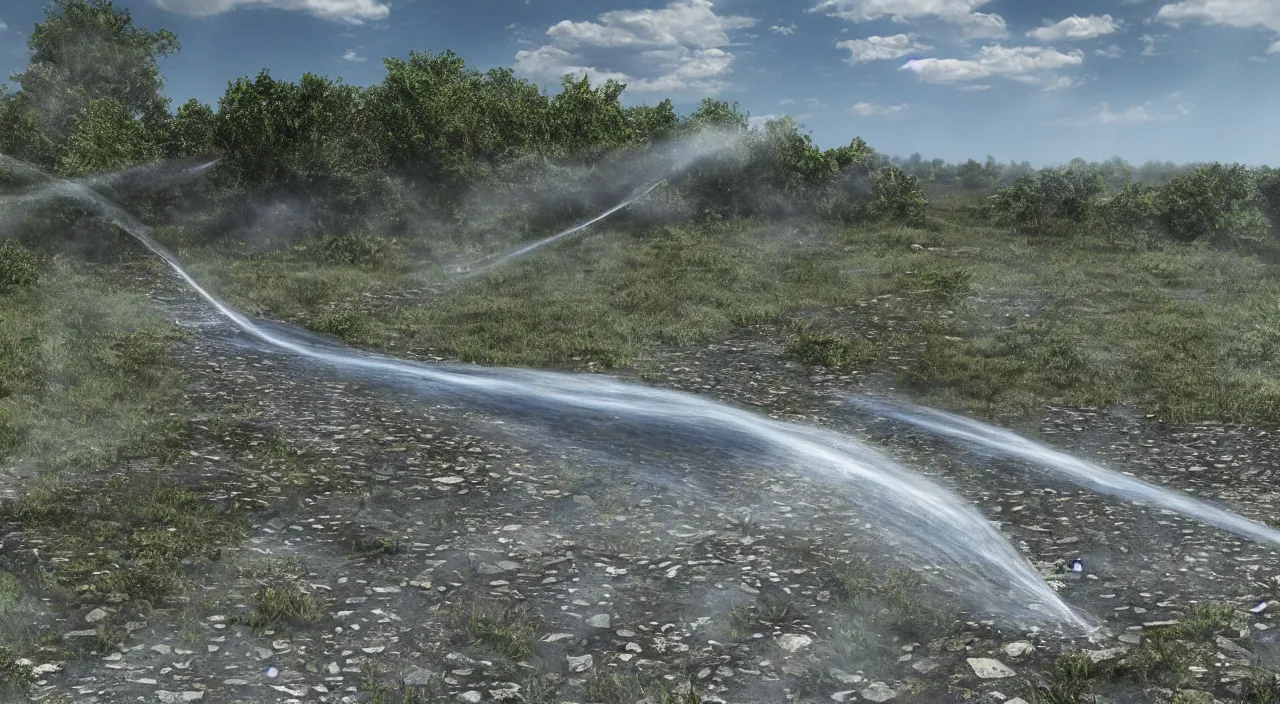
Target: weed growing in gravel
832,350
627,689
506,629
1205,620
279,600
15,679
1068,681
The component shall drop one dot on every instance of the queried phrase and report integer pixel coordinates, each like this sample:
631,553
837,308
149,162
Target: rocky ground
440,558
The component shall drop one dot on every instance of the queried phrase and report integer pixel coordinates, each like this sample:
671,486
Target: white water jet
924,524
1082,472
503,259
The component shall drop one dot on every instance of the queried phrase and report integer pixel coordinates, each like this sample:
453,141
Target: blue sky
1018,79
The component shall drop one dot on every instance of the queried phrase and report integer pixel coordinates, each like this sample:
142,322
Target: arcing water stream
926,525
1074,469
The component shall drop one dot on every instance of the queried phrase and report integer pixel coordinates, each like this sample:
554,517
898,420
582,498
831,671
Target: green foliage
1054,201
106,138
832,350
88,50
897,195
191,133
506,629
1268,196
1209,202
1132,210
19,267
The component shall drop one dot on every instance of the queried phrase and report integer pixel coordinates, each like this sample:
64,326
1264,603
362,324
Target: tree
88,50
106,138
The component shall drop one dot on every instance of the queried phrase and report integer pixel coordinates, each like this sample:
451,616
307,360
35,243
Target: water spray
924,523
503,259
1087,474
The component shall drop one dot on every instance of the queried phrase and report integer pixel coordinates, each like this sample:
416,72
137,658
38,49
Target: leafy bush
1268,196
1133,209
897,195
1210,202
19,267
1054,201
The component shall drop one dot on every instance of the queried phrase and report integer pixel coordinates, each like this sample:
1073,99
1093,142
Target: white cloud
1076,27
1170,108
881,48
1233,13
974,87
1112,52
1274,48
349,11
785,31
862,109
1150,42
959,12
352,56
787,101
3,26
679,47
1017,63
1062,83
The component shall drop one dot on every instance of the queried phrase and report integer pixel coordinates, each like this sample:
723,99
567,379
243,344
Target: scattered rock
878,692
417,678
599,621
471,696
988,668
96,615
792,642
1106,653
580,663
166,697
840,696
1018,648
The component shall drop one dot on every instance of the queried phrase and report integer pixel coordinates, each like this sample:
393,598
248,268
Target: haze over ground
1045,82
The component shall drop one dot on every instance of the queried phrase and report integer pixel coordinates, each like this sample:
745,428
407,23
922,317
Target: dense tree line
92,99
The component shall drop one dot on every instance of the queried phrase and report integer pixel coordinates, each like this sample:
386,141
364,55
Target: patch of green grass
612,688
279,600
506,629
15,679
832,350
1159,661
1260,687
124,537
1070,680
1205,620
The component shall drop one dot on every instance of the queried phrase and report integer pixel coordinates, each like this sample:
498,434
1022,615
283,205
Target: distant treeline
92,100
974,175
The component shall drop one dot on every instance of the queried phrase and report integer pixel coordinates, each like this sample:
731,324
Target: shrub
897,195
1133,209
1211,202
1268,196
1054,201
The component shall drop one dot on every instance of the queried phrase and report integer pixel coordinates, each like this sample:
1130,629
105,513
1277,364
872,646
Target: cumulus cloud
881,48
679,47
1274,48
349,11
863,109
1263,14
3,26
962,13
1077,28
1062,83
1170,108
787,101
1150,45
788,30
1112,52
351,55
1022,63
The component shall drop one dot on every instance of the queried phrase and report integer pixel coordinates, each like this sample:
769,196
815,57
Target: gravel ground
399,515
